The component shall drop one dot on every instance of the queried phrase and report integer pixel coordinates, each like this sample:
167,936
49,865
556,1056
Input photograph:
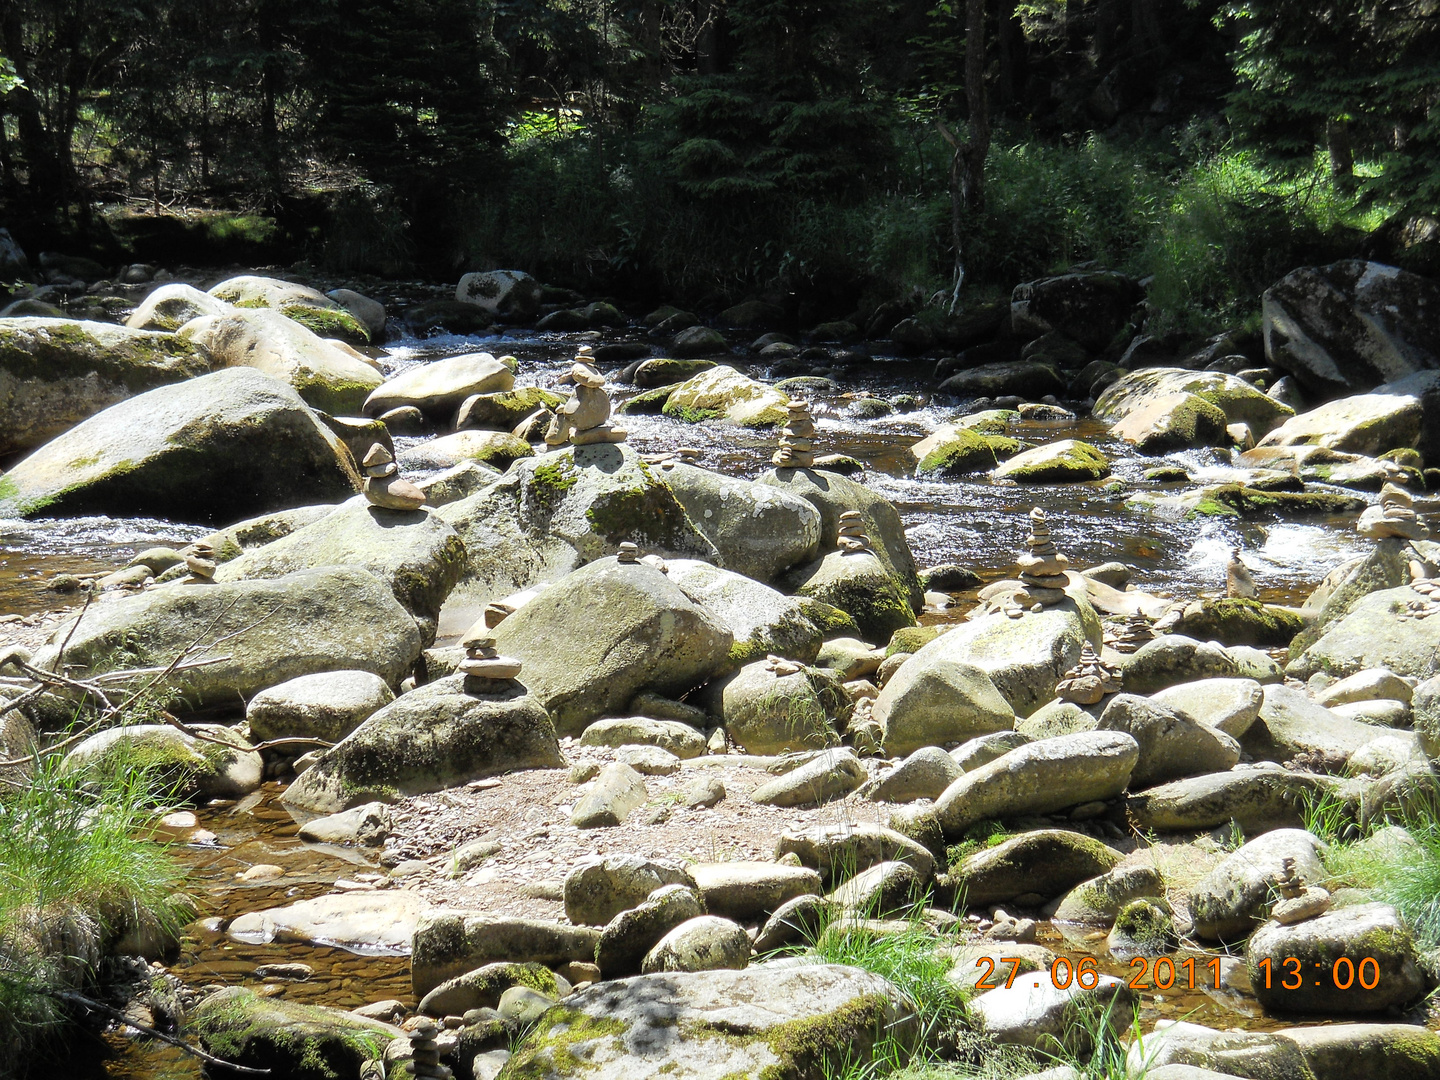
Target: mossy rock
1251,502
1236,621
664,372
909,639
648,402
447,317
502,411
300,1042
1067,461
968,451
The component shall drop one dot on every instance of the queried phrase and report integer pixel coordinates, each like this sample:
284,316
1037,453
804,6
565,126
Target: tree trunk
1011,44
967,161
1342,152
42,168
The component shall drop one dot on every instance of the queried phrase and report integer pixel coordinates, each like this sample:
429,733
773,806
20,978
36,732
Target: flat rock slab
450,943
369,923
747,891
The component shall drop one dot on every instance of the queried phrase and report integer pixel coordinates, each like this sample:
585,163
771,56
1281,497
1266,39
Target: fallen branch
73,998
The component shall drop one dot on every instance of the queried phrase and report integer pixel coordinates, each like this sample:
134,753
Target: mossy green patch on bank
688,415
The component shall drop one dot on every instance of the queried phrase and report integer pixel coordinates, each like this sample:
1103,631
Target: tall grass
75,872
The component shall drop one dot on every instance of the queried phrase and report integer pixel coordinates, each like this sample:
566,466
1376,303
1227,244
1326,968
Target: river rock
1063,462
665,372
704,943
17,740
1373,684
232,442
1425,705
550,514
1228,705
415,551
634,1027
925,774
198,768
721,392
286,1038
958,451
369,824
1097,901
607,631
682,740
1047,861
832,495
761,620
434,737
508,294
631,934
1236,896
934,698
172,305
1172,422
449,942
330,619
56,372
1345,327
609,798
1361,1051
484,987
986,748
1257,798
438,388
887,889
859,584
308,307
1172,745
1176,1045
1025,658
839,851
325,374
750,891
768,713
1241,402
1029,379
503,410
1173,659
832,774
758,530
1036,1012
498,449
370,921
1292,724
1369,424
328,705
599,889
1087,307
1367,931
1373,634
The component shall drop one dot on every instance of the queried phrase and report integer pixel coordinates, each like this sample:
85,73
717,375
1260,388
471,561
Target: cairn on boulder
1298,902
485,670
1089,680
585,418
201,563
424,1063
1395,516
1239,583
686,455
852,538
1042,569
628,554
797,438
383,485
780,666
1136,631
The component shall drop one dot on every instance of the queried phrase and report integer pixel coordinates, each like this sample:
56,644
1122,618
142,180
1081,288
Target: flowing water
973,522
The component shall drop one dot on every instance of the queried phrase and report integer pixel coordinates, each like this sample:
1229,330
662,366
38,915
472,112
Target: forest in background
830,155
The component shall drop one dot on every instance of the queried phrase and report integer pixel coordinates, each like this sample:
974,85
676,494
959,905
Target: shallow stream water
973,522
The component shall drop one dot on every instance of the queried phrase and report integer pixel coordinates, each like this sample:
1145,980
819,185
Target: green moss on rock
1236,621
967,452
649,401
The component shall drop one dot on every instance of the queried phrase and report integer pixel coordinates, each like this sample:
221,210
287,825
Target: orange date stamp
1146,973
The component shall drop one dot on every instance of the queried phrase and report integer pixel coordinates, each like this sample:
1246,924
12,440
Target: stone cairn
1135,632
1239,582
201,562
485,670
852,539
1042,570
687,455
781,667
1298,902
628,554
1395,516
797,438
384,487
585,418
1089,680
424,1063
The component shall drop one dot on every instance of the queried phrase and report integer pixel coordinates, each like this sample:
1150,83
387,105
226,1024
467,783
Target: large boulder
758,529
1346,327
1241,402
859,584
309,307
1039,778
328,376
440,387
493,449
761,620
436,736
222,765
592,641
1292,724
250,634
632,933
1229,705
1257,799
550,514
800,1022
1177,1050
1024,657
1172,659
599,889
1375,633
1064,462
1172,745
173,305
448,942
722,393
769,713
1029,379
508,294
1368,424
1090,307
1237,895
328,705
1173,422
228,444
374,922
56,372
419,555
934,700
1049,862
